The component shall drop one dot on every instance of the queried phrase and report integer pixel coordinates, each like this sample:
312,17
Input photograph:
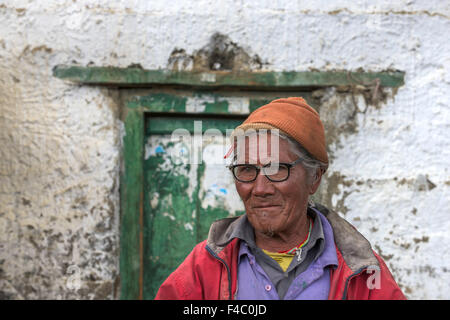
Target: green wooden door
184,192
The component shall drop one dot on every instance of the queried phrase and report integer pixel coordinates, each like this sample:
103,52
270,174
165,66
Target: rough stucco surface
60,143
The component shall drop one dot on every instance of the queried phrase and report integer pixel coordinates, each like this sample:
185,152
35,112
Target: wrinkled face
274,207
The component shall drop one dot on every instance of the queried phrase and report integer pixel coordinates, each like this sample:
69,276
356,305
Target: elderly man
284,246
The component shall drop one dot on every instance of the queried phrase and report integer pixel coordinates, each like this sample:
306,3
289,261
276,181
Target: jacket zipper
226,266
347,281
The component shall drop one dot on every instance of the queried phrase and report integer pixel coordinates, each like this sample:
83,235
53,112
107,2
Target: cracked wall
60,143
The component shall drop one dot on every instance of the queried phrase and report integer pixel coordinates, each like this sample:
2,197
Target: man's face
274,207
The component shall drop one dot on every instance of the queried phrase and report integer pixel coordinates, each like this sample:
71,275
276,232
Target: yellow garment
283,259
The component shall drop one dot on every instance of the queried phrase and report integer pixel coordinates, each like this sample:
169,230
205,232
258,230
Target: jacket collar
221,231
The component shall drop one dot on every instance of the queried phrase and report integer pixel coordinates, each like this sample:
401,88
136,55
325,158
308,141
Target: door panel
183,193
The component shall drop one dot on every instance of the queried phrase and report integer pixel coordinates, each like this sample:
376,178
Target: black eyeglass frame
259,168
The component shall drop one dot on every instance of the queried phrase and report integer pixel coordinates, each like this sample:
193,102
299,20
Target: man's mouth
268,206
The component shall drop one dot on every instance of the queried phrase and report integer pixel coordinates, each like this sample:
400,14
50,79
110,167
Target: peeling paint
237,105
198,104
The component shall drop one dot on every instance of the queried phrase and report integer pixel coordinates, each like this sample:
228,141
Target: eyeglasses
275,172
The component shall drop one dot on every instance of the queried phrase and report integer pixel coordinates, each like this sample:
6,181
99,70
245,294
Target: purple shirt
312,284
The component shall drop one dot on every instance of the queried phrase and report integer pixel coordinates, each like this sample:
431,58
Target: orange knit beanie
294,117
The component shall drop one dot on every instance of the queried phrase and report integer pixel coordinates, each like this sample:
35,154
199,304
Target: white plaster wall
60,144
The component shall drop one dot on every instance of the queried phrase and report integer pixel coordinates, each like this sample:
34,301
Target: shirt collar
328,255
244,231
317,233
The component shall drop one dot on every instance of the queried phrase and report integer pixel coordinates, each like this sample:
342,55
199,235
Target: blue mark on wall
159,149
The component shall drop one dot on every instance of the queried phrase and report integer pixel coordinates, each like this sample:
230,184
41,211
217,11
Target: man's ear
316,181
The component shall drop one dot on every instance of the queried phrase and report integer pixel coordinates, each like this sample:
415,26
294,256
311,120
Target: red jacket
210,270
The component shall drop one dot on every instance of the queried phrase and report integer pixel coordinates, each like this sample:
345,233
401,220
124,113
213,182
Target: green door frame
136,109
131,207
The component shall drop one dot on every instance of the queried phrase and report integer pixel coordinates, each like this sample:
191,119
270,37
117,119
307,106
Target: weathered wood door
186,186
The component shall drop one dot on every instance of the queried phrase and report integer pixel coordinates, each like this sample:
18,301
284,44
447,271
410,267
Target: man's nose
262,186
